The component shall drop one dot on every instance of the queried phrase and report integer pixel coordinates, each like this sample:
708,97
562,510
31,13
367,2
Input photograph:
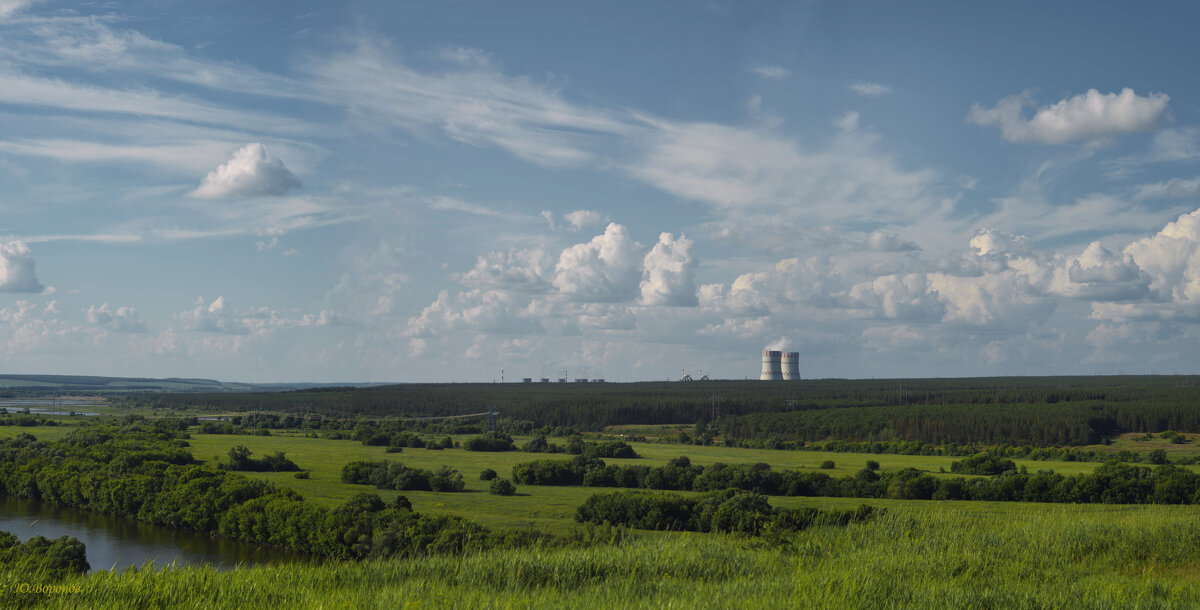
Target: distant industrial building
772,369
791,366
780,366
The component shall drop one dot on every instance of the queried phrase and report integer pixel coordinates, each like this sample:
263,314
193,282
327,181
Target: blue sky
436,191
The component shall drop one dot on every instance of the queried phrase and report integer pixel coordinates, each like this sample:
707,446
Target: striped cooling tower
791,365
772,369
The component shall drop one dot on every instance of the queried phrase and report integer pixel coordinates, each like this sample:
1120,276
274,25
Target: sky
475,190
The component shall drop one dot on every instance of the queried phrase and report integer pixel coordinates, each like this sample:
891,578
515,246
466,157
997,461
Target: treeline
1040,424
392,475
591,406
1038,411
726,511
26,420
1024,452
1111,483
142,471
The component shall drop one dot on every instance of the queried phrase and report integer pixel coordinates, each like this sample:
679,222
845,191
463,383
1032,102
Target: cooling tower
791,365
772,366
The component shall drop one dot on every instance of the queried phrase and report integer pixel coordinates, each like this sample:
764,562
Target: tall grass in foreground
1049,557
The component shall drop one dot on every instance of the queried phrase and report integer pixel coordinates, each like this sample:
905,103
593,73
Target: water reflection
42,406
116,543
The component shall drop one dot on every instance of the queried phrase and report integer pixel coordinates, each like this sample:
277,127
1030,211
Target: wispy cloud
475,106
870,89
771,72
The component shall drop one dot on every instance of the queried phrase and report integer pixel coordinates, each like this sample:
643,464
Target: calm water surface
113,542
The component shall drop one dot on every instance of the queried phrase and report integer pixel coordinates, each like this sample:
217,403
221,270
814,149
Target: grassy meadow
553,508
911,557
917,554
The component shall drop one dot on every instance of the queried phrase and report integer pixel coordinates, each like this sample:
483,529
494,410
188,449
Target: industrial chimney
791,366
772,369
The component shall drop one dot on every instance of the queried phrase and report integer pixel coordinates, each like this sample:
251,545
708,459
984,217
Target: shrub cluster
577,446
983,464
393,475
1110,483
59,557
728,511
492,441
239,459
502,487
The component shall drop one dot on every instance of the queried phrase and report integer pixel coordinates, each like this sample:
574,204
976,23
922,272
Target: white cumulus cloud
581,219
668,276
1089,116
17,268
525,270
1172,256
605,269
899,297
120,319
879,241
252,171
1101,275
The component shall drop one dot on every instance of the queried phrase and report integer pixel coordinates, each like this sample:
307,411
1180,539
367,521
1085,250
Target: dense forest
1036,411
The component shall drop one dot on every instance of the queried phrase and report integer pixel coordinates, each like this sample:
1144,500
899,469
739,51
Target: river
117,543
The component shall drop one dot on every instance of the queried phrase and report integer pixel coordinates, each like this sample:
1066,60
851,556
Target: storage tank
772,369
791,366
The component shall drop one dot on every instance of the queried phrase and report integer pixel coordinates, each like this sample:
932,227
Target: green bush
492,441
502,487
983,464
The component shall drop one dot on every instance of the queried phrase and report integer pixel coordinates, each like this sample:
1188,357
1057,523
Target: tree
537,444
502,487
239,457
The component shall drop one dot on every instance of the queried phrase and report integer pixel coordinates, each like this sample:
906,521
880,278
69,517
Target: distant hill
88,384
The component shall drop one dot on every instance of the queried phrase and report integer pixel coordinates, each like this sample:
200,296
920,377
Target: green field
553,508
